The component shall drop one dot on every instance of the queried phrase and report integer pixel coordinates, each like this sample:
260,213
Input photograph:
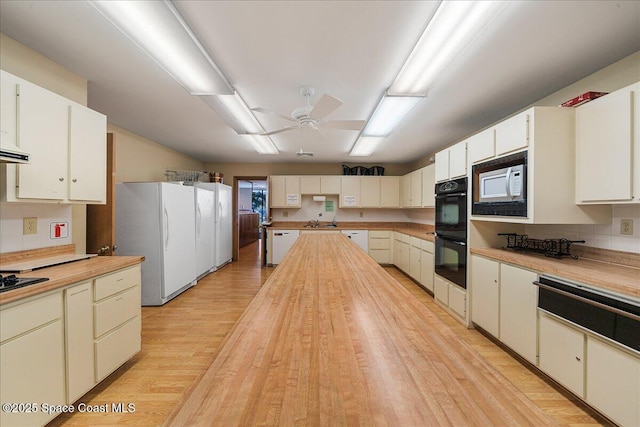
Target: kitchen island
332,338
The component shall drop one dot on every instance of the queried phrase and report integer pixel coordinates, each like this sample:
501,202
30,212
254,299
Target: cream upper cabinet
428,186
284,191
66,142
608,148
330,184
405,190
370,192
389,191
350,192
451,162
512,134
310,185
481,146
412,189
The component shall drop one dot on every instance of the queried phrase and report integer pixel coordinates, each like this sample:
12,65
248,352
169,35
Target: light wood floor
181,339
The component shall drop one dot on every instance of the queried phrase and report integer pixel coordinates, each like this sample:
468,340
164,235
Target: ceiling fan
313,116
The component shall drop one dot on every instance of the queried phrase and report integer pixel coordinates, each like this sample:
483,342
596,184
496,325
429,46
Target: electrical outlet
285,214
626,226
30,225
361,214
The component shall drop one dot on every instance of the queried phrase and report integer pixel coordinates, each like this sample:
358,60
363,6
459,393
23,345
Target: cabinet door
481,146
277,191
9,85
613,382
389,191
485,294
561,350
330,184
416,188
458,160
426,269
310,185
79,339
604,148
518,310
370,191
512,134
458,300
32,369
441,289
405,190
428,186
350,192
43,132
87,155
415,269
442,165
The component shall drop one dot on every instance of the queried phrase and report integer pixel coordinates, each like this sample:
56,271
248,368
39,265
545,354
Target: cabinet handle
61,179
79,292
119,299
577,358
74,180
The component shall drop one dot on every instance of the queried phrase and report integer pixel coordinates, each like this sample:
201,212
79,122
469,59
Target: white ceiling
349,49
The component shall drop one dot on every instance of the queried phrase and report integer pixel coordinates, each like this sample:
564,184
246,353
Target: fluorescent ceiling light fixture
159,30
452,28
365,146
261,143
389,113
239,110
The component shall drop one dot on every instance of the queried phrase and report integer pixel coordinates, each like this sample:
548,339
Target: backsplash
310,210
48,215
605,236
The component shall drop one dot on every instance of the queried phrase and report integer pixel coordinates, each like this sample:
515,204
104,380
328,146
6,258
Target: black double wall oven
451,231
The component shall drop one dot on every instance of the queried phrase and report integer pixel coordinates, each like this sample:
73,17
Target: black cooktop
8,283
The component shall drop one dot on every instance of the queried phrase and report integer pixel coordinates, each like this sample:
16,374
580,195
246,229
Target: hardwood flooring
182,338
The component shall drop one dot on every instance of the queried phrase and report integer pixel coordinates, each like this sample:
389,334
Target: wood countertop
69,273
423,231
621,279
333,339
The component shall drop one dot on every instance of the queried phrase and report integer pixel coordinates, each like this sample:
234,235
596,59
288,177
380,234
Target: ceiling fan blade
344,124
326,105
273,113
273,132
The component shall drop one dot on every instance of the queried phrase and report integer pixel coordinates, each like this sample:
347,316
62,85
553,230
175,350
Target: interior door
101,219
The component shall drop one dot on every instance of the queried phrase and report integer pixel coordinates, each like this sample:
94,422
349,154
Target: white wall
310,210
11,225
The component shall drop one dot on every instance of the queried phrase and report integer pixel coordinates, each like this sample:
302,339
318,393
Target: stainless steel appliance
451,231
500,186
612,316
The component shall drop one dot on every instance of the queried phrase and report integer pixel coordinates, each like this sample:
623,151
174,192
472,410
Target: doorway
250,210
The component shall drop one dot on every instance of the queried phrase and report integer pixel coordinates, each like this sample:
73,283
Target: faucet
334,222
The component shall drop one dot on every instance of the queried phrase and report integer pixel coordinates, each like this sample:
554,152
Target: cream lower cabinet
415,255
561,352
117,324
31,360
401,251
380,246
427,264
613,382
451,296
485,294
78,323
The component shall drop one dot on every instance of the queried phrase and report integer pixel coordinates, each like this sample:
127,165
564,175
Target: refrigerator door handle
198,222
166,227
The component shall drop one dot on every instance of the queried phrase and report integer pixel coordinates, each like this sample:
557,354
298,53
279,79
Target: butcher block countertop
618,278
65,274
332,339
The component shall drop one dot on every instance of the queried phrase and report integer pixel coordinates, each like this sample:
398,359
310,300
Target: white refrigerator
223,221
205,230
157,220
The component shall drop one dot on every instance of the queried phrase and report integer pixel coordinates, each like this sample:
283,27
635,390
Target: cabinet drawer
415,241
117,347
381,256
427,246
379,234
115,282
379,244
116,310
458,300
29,315
403,237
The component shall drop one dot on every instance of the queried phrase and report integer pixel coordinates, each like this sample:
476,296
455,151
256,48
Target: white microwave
500,186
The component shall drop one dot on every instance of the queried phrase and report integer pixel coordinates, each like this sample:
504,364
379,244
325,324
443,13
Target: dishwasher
612,316
281,242
359,237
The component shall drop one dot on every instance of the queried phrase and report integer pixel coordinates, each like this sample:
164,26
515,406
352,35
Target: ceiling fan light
365,146
391,110
262,144
157,28
239,110
453,27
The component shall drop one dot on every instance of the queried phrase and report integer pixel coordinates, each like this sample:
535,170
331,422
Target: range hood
10,153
